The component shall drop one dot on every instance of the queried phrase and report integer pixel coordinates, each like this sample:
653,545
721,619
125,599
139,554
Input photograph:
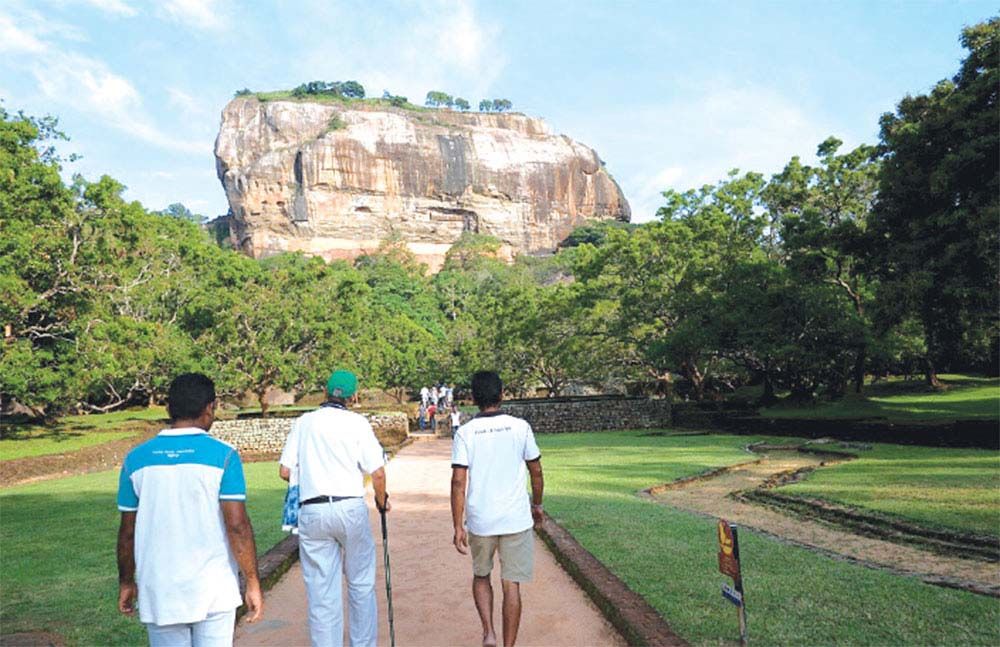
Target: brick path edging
273,564
626,610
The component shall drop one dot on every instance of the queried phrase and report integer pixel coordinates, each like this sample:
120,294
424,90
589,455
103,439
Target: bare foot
489,640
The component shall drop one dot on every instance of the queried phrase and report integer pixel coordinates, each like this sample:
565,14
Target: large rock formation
336,180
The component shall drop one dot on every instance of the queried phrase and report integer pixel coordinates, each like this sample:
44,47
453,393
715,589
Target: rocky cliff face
335,180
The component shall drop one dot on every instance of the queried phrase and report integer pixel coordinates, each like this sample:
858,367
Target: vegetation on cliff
353,93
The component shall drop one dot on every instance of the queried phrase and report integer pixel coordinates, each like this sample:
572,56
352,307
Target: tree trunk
859,369
930,376
262,401
767,398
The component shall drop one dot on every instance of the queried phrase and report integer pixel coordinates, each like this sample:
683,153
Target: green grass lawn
966,397
57,554
43,444
794,596
74,432
950,488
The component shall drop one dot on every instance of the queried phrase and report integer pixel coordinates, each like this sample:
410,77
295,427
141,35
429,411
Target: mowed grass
966,398
73,433
57,554
950,488
47,444
794,596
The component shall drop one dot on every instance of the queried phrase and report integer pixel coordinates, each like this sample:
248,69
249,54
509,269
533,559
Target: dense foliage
875,260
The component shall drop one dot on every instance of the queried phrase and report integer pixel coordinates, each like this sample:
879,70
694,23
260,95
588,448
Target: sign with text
732,595
729,564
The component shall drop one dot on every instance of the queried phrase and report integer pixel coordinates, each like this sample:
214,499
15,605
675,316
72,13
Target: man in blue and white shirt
184,527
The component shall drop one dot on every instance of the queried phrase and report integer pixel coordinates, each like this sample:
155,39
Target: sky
671,94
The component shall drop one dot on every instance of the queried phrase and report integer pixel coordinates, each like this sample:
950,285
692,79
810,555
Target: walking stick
388,578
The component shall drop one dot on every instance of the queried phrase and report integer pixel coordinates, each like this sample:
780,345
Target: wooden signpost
729,564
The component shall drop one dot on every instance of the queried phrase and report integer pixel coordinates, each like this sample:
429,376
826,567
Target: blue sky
670,94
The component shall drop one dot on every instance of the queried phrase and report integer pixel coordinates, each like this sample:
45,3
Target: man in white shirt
332,449
492,455
184,527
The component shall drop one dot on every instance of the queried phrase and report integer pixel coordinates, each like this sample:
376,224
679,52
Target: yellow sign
725,538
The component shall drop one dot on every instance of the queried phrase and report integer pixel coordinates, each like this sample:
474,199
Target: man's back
174,483
332,447
494,447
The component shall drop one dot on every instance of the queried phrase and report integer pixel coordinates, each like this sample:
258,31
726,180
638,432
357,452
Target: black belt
327,499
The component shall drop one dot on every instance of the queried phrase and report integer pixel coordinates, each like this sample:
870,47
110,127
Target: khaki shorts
517,555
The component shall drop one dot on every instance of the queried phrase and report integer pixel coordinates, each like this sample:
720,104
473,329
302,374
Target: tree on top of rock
437,99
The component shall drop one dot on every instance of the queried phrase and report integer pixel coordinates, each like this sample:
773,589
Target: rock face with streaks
335,180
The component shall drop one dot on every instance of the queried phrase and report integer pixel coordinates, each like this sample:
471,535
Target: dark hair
189,394
486,389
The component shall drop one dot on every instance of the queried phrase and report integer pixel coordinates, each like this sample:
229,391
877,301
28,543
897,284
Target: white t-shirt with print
333,449
495,447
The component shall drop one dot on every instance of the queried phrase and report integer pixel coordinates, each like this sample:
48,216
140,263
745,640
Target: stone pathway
431,581
709,496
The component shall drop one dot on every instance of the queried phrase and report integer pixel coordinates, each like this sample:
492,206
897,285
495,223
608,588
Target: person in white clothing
184,528
332,449
491,458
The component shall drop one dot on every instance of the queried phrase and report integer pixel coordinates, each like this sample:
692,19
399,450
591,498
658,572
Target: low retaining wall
983,434
559,415
267,435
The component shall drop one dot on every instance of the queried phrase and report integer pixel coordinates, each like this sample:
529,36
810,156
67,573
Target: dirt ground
96,458
709,496
431,581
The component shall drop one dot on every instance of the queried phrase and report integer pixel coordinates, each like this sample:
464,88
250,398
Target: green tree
485,105
821,214
178,210
502,105
934,236
352,90
461,104
437,99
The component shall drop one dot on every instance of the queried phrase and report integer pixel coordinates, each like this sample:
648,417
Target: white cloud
14,40
82,83
432,45
186,104
205,15
710,130
119,7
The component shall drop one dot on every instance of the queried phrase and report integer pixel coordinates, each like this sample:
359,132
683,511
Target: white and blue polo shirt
174,482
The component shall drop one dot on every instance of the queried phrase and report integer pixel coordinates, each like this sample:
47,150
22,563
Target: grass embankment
956,489
74,432
965,398
58,564
794,596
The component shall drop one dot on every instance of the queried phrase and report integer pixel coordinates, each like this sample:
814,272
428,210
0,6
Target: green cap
342,384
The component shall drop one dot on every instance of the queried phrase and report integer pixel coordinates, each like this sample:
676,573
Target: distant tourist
332,449
184,527
456,420
422,416
425,395
432,416
492,455
434,395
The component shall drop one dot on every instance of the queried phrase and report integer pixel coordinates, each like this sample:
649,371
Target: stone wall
559,415
267,435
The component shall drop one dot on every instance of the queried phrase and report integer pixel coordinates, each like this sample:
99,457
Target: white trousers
335,538
214,631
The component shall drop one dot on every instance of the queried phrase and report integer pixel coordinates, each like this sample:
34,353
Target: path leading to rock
431,581
709,496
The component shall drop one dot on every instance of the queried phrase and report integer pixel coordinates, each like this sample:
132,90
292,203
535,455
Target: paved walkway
431,581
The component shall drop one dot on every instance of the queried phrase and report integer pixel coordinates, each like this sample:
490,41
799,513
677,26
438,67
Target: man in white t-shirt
184,527
332,449
492,455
